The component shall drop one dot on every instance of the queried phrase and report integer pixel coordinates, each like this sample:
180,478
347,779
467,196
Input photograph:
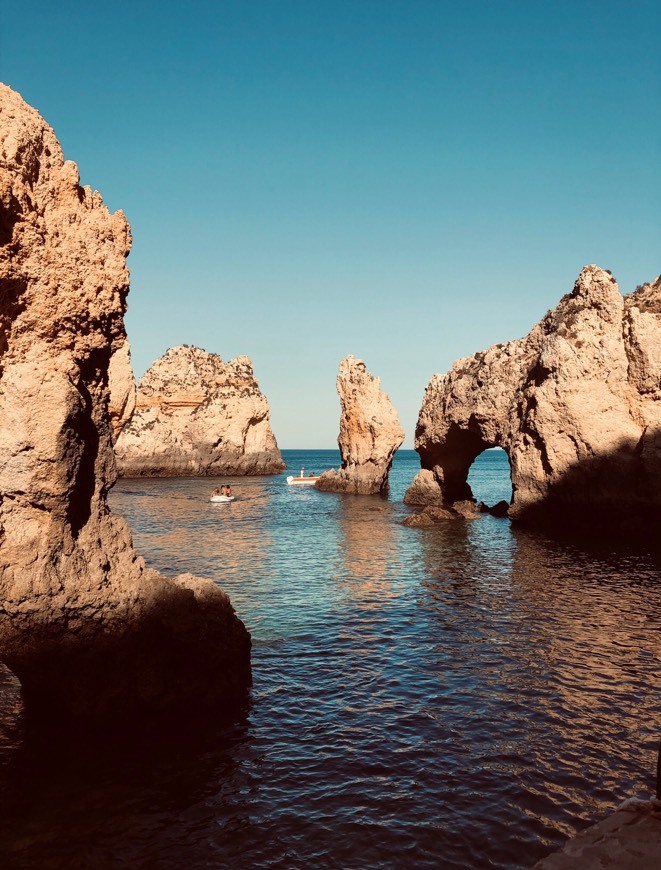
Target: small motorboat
310,480
218,499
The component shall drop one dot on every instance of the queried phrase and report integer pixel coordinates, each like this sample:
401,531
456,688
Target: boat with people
223,494
302,480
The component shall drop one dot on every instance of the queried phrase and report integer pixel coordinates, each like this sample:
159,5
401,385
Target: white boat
222,498
302,481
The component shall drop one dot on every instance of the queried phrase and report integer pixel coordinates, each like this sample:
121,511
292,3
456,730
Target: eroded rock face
86,627
576,404
370,433
121,383
195,414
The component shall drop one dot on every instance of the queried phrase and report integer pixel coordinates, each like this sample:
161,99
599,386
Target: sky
407,181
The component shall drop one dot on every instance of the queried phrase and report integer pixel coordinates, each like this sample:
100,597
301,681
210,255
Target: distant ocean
462,696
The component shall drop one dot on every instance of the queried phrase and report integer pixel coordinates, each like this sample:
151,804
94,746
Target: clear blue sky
408,182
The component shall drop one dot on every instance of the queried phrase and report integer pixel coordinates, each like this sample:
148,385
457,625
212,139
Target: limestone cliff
195,414
370,433
121,384
86,627
576,404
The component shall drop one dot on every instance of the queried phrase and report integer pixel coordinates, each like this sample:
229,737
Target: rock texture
370,433
433,514
576,404
85,626
629,839
121,383
195,414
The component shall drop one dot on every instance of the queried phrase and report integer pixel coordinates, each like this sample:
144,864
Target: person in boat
311,474
302,474
215,491
228,490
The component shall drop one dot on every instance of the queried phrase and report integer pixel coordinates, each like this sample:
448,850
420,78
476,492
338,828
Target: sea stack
87,628
576,404
197,415
370,433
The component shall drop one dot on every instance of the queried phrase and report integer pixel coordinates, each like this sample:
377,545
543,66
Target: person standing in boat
302,474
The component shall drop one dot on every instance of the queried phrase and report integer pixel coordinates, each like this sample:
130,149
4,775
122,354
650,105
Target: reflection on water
367,548
460,696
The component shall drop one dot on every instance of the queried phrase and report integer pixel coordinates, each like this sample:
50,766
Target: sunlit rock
370,433
86,627
576,404
195,414
121,383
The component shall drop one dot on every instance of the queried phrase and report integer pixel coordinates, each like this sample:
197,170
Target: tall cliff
195,414
576,404
88,629
370,433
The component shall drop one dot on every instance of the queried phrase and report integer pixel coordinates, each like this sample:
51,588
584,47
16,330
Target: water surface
462,696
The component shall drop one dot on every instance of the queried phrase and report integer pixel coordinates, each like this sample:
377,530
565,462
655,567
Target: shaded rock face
433,515
370,433
85,626
576,404
195,414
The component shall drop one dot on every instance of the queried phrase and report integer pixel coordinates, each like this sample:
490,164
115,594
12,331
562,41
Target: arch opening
490,476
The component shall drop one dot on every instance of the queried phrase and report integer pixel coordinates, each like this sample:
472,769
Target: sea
465,696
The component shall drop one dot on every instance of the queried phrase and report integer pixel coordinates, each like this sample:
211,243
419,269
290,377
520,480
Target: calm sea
465,696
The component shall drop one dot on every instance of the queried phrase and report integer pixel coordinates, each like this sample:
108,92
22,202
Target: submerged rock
576,404
195,414
85,626
433,515
370,433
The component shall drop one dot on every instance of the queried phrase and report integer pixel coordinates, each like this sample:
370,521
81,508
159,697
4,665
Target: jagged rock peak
85,626
370,433
195,414
576,404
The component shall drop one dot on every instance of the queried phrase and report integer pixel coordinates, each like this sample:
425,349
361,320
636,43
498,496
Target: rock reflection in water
367,547
457,696
545,661
173,518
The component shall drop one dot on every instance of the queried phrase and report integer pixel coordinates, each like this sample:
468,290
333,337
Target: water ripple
462,696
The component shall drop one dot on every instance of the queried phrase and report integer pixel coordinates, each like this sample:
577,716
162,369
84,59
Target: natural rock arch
576,404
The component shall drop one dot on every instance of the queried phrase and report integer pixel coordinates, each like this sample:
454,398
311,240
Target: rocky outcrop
85,626
370,433
433,514
576,404
121,384
195,414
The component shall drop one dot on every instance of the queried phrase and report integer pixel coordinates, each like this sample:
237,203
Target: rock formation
370,433
576,404
85,626
121,384
195,414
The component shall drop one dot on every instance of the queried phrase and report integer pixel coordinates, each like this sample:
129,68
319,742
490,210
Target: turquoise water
462,696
